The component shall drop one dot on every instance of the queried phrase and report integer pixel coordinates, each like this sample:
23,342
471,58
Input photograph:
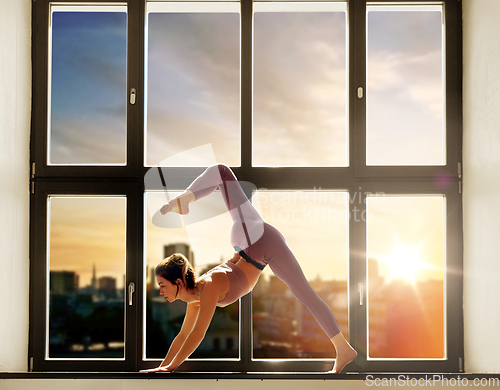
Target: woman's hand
159,369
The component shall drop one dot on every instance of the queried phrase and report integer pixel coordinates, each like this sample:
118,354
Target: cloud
88,141
193,85
300,89
405,88
418,77
405,108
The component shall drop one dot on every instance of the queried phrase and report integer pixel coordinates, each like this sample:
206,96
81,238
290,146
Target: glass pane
405,86
205,247
300,95
315,225
193,80
406,263
87,272
88,85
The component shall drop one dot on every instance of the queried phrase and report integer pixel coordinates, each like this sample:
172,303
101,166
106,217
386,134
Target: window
193,80
87,78
300,83
341,119
86,313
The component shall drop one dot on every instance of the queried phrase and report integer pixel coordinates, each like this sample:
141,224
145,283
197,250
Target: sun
404,263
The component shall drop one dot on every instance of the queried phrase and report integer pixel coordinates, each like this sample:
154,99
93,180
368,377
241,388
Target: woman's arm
192,311
208,303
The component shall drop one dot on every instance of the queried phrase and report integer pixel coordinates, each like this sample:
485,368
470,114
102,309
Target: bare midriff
251,272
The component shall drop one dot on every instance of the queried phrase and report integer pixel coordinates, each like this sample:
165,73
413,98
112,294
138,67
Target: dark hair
175,267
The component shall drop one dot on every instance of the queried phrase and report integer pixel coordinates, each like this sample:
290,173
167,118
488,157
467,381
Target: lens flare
404,263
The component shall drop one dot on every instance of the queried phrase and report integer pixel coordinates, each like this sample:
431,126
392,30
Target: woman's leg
221,176
248,226
286,267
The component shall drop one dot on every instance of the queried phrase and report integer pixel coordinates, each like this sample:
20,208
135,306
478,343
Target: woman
257,245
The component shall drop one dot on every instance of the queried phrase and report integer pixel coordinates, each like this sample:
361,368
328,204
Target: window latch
360,92
133,93
131,290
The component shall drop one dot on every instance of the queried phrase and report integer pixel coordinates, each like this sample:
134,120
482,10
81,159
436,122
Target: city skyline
87,231
101,282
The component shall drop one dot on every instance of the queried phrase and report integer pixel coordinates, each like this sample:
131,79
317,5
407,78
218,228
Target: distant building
107,287
63,282
184,249
94,279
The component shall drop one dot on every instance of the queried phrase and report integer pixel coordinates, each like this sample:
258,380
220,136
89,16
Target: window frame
357,177
39,275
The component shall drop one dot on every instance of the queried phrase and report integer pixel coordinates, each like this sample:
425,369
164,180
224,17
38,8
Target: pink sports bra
238,283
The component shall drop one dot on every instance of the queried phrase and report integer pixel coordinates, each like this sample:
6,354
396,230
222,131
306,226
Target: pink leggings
261,244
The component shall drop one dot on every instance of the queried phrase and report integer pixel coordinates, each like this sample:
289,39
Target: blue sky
88,91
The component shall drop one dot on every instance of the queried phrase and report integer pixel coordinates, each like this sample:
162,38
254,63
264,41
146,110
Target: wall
481,201
15,106
481,184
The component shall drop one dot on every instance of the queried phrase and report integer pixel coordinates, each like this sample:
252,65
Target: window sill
374,378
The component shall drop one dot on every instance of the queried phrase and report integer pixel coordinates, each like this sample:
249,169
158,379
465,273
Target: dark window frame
357,177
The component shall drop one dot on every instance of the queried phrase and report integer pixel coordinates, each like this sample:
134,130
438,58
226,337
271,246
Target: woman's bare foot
179,204
342,360
345,353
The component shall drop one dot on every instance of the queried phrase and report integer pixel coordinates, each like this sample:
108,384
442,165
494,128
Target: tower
94,279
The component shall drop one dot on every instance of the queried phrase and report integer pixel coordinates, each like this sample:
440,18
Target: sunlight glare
404,263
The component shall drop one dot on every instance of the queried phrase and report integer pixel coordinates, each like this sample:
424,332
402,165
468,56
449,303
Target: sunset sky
87,232
193,86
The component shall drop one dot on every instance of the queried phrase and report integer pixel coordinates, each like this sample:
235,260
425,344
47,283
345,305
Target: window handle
360,92
361,289
133,93
131,289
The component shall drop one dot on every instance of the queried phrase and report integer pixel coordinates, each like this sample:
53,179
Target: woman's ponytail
176,267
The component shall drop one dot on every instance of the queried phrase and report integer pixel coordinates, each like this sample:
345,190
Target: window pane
87,85
300,99
205,247
405,86
87,273
406,263
315,225
193,80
